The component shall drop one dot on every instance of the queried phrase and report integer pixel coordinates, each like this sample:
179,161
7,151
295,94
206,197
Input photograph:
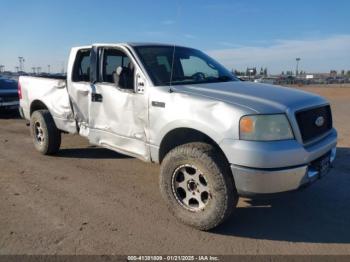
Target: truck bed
52,76
52,92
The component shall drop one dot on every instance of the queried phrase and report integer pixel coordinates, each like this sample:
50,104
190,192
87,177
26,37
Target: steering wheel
198,76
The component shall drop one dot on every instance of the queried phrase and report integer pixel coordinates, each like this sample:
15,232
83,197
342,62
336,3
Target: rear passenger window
81,69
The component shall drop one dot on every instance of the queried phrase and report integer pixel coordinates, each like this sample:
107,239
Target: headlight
265,128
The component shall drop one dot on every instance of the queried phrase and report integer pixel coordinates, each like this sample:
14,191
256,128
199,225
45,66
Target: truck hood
258,98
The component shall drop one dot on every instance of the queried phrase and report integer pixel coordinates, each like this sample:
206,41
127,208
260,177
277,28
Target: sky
238,33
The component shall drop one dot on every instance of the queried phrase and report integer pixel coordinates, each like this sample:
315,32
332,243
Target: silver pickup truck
216,137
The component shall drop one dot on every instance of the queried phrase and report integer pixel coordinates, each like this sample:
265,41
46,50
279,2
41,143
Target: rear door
79,88
118,113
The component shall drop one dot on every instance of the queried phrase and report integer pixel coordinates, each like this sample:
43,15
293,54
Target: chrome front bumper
252,181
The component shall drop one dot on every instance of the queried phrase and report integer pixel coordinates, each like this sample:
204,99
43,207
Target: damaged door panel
118,114
79,88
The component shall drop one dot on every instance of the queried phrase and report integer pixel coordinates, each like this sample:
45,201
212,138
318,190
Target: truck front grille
310,122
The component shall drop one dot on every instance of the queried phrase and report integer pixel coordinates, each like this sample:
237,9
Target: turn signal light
246,125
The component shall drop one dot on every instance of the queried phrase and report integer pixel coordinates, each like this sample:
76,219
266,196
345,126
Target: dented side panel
120,121
215,118
79,92
118,118
53,94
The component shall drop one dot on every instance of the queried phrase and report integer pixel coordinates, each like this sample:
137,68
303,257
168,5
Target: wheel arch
181,136
63,123
37,105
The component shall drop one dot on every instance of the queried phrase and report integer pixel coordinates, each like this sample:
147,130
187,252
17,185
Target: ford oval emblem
319,121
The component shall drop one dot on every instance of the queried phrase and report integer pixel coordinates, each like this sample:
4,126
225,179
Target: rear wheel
197,185
46,136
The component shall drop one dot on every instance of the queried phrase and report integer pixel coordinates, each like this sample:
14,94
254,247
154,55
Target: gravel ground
88,200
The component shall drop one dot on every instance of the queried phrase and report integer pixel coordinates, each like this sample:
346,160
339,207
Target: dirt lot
89,200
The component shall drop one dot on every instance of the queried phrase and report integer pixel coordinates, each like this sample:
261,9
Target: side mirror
140,84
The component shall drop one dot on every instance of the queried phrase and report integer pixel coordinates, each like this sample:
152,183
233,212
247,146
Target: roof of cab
148,44
131,44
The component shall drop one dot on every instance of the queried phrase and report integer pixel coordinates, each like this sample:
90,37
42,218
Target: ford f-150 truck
216,137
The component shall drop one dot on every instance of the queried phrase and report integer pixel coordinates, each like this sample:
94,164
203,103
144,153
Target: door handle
95,97
84,91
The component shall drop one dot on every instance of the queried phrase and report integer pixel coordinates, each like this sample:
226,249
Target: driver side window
118,69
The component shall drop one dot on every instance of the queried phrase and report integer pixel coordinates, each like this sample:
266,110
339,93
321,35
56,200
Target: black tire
48,140
213,165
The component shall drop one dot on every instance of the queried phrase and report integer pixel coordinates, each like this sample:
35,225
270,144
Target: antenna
172,69
173,56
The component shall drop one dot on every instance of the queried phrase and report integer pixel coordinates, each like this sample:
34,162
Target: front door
118,114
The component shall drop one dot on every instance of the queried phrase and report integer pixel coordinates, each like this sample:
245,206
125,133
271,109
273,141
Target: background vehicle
8,94
215,137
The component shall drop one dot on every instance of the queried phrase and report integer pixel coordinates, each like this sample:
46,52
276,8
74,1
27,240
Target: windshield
190,66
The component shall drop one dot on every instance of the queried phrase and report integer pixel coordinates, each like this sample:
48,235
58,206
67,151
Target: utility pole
297,68
17,68
21,63
48,69
38,70
33,68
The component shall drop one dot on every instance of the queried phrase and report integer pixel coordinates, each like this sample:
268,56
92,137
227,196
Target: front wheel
46,136
197,185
